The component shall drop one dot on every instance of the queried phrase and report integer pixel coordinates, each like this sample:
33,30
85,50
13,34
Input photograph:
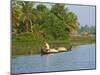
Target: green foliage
27,37
26,44
41,7
34,23
55,23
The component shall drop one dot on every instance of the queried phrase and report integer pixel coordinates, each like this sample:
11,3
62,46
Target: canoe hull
59,51
52,52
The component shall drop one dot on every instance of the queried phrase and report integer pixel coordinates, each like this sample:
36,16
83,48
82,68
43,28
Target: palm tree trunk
27,27
31,26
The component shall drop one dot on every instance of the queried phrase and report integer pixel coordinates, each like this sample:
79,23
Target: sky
86,13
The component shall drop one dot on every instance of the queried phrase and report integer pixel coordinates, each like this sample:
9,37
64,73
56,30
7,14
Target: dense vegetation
34,23
49,23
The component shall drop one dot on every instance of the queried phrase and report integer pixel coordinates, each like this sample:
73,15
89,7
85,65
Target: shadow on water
81,57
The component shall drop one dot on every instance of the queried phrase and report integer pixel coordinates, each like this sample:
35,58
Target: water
81,57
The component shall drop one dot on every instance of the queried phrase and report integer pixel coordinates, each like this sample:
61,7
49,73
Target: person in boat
46,48
70,48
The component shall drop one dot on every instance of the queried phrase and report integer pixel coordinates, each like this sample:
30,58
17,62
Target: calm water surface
81,57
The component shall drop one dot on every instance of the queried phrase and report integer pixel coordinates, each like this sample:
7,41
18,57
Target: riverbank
27,46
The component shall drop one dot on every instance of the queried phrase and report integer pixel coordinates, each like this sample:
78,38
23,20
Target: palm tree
66,16
72,22
16,14
27,15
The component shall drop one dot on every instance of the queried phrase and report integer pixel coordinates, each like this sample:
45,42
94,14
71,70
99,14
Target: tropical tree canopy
56,22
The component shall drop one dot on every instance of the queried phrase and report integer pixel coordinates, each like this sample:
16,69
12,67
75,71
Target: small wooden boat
45,51
60,49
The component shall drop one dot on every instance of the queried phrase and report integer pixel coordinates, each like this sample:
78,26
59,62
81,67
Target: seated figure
46,48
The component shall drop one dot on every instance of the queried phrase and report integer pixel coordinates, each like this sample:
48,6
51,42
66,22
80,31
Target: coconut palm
72,21
69,19
16,14
27,16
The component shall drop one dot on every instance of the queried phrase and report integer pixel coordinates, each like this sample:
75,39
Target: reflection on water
81,57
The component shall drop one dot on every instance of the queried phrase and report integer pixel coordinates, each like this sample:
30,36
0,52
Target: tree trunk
31,26
27,27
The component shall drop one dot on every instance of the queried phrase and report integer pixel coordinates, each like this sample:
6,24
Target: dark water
81,57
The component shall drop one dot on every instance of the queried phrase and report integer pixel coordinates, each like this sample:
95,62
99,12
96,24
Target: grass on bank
26,44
